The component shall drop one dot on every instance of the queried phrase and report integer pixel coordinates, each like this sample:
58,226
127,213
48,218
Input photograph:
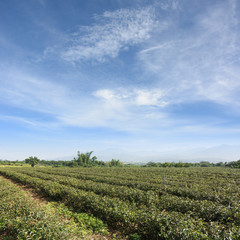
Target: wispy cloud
201,62
114,31
168,4
30,92
142,74
126,109
123,108
18,119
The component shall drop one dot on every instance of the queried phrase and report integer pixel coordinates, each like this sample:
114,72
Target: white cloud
138,97
199,66
200,62
123,108
114,32
168,4
107,94
145,97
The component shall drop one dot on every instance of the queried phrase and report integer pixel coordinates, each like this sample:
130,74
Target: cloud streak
30,92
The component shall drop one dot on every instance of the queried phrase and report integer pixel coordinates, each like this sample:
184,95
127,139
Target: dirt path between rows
28,191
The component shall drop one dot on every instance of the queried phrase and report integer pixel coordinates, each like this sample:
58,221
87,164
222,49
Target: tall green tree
84,159
115,163
32,161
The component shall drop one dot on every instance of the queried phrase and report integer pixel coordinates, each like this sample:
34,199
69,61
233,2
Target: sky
138,80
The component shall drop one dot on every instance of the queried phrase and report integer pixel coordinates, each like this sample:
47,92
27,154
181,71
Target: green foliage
85,160
32,161
180,164
234,164
22,218
135,236
147,203
83,220
115,163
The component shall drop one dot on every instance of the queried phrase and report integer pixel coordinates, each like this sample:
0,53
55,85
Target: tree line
185,164
87,160
82,160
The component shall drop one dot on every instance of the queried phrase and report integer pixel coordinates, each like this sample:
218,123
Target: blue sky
135,80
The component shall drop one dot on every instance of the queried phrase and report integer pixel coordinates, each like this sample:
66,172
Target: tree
205,164
32,161
84,159
115,163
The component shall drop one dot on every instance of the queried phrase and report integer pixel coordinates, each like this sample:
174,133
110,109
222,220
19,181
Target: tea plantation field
145,203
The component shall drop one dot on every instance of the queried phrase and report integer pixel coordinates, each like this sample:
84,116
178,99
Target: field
143,203
22,217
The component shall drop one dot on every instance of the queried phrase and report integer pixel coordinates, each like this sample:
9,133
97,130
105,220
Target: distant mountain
66,158
224,153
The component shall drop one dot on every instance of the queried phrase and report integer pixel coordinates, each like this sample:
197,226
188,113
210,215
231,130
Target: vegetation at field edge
146,203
